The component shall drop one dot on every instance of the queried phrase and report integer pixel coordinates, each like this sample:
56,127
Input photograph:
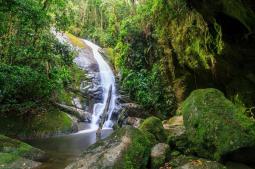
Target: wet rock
214,125
159,154
134,121
96,93
174,126
21,163
176,134
78,113
187,162
124,149
134,110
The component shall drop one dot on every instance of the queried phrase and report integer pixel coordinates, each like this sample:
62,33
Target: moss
131,144
156,163
137,155
78,76
53,121
65,97
43,124
6,158
76,41
154,126
214,125
110,54
195,46
159,154
12,150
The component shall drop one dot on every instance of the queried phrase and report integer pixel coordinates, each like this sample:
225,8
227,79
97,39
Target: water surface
63,150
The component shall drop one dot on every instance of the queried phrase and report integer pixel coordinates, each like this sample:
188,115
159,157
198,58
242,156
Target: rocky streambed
210,133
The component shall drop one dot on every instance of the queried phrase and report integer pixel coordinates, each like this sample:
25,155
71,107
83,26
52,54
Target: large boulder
15,154
126,148
159,154
154,126
214,125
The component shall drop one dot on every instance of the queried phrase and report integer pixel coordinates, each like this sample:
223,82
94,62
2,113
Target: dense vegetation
35,68
34,65
165,49
190,59
162,49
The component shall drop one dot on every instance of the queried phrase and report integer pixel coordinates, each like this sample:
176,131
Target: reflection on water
63,150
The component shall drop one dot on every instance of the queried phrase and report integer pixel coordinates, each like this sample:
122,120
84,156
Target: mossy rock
189,162
12,151
45,124
159,154
154,126
214,125
176,134
126,148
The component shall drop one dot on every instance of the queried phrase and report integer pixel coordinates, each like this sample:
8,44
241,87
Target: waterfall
107,82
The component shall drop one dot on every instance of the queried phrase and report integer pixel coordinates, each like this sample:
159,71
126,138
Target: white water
107,80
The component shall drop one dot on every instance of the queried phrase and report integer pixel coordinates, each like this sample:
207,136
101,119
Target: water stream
62,150
107,82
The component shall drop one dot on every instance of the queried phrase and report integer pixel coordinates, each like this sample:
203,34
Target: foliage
149,40
34,65
21,85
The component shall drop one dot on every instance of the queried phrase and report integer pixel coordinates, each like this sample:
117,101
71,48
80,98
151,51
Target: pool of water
63,150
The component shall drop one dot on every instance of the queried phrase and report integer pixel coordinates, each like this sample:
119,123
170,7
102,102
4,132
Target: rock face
134,110
184,162
234,69
154,126
174,126
134,121
126,148
214,125
176,134
15,154
76,112
159,153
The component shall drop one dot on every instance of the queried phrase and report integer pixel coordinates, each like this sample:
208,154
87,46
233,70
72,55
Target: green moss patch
12,150
154,126
126,148
214,125
43,124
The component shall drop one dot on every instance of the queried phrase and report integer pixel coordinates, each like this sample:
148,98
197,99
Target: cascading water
107,82
62,150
